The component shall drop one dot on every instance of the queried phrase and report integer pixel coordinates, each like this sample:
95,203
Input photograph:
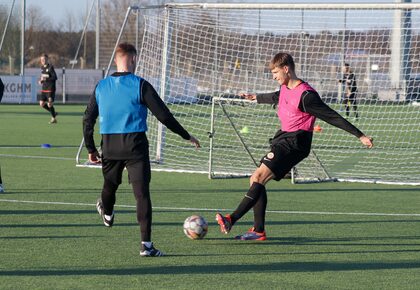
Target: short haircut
346,64
126,49
282,59
44,55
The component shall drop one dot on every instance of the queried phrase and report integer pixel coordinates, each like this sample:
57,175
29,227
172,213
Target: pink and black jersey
291,117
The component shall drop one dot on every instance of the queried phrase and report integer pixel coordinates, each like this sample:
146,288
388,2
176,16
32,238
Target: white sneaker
1,188
150,251
108,220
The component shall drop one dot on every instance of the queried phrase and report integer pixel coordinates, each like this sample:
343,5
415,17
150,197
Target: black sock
259,212
248,201
108,196
1,182
144,209
52,110
45,106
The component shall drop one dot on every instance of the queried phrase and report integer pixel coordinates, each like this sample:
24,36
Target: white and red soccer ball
195,227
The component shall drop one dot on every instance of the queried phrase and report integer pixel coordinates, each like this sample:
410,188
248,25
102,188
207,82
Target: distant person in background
1,96
349,80
47,81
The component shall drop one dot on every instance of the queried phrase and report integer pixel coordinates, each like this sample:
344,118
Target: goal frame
164,76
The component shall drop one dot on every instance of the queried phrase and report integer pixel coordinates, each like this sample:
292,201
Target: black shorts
138,170
45,96
284,155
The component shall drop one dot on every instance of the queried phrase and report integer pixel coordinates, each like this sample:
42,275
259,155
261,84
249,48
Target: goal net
200,57
10,37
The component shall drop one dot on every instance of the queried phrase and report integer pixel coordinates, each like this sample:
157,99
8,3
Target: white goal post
201,56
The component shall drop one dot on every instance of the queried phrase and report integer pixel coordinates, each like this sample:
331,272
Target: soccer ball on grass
195,227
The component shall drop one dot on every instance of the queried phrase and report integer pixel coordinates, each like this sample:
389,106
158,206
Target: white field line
218,209
36,147
36,157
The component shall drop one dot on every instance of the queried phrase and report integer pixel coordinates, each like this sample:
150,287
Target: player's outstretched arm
367,141
195,141
247,96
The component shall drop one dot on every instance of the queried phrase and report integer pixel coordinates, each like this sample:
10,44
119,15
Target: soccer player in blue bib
121,101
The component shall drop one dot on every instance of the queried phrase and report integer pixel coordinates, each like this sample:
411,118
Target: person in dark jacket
47,81
350,88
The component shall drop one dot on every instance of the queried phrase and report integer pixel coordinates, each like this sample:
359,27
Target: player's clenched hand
194,141
367,141
251,97
94,157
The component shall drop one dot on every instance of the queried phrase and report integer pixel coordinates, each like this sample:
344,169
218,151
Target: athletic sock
259,212
52,111
248,201
147,244
45,106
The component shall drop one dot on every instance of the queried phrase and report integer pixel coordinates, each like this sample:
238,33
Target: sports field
320,236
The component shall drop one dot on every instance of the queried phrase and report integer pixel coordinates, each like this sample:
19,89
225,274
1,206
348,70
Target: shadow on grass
79,225
47,237
59,212
221,269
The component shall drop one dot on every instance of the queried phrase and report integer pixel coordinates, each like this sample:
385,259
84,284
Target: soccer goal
200,57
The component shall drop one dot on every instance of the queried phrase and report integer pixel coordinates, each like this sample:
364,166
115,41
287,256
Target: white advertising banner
19,89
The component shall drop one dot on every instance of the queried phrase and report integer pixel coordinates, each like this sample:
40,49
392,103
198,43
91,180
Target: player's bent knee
262,175
258,177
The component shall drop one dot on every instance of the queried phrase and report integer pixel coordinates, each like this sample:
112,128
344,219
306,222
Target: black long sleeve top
129,145
48,77
311,103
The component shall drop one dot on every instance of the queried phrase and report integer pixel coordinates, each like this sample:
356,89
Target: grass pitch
320,236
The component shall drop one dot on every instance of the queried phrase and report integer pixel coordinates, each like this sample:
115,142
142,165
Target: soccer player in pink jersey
298,106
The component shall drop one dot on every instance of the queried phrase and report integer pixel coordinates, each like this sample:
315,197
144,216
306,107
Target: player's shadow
341,189
318,222
33,212
286,267
47,237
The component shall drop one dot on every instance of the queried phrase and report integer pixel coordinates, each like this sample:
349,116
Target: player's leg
112,172
43,102
274,165
347,106
354,105
259,212
51,98
139,173
259,178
